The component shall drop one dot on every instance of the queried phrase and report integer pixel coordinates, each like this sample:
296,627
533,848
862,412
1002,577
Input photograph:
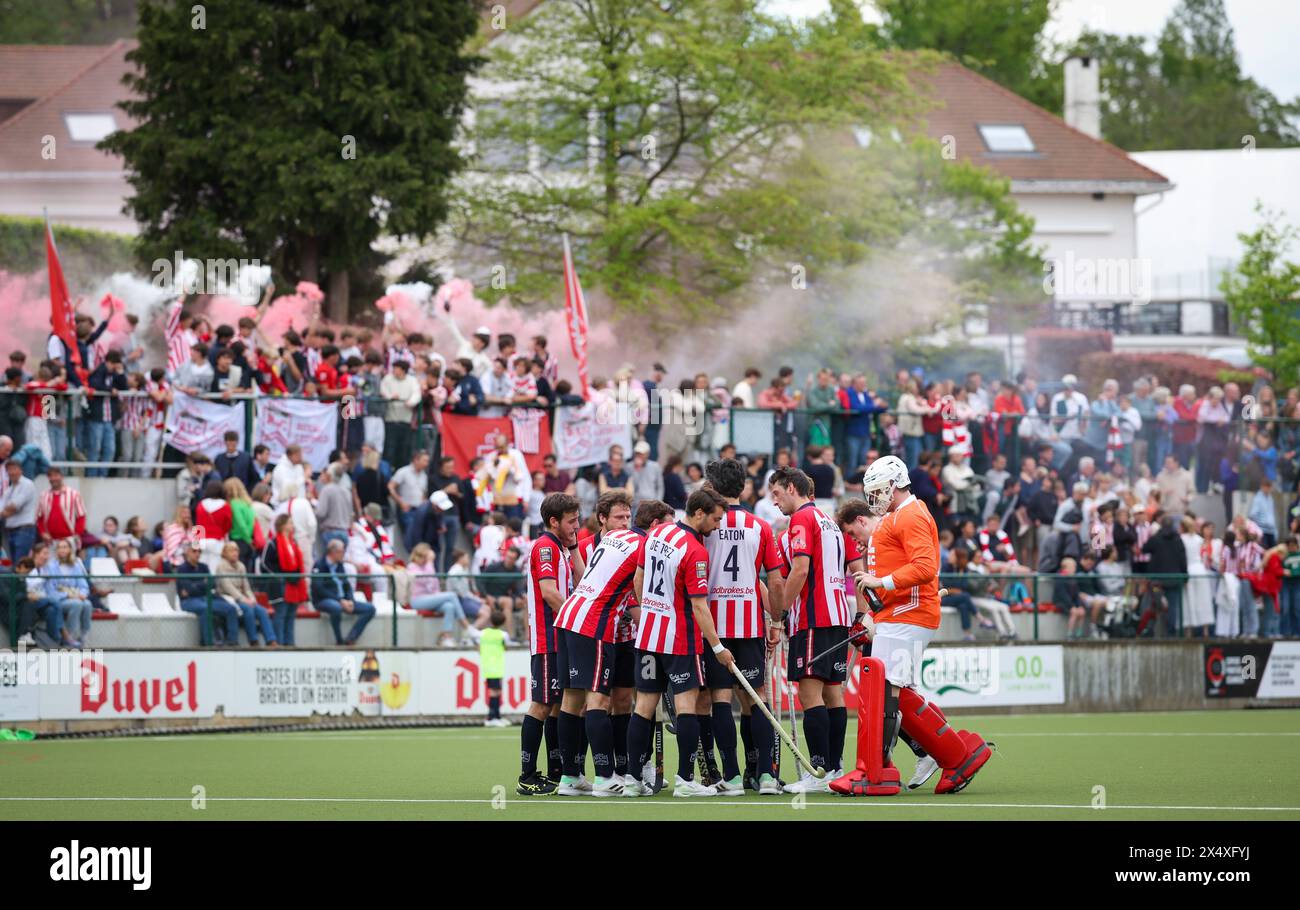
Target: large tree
294,132
1001,39
1263,292
693,149
1187,91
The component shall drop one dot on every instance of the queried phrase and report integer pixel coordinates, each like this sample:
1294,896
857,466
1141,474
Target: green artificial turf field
1237,765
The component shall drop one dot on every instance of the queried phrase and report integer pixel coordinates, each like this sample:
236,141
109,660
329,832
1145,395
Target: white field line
661,802
455,734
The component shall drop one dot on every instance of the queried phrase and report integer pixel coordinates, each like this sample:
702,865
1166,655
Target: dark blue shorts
668,672
805,645
590,664
751,660
625,665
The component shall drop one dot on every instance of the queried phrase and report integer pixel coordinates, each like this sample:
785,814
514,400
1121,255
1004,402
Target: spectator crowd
1023,478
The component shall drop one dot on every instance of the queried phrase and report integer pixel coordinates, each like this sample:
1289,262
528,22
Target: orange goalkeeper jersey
904,550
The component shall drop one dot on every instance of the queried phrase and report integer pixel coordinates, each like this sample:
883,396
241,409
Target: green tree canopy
1263,293
1187,91
1001,39
692,149
294,132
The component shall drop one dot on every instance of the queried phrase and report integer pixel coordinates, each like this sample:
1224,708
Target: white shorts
900,646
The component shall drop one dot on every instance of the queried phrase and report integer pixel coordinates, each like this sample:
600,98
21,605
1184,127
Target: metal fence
1138,608
708,424
13,596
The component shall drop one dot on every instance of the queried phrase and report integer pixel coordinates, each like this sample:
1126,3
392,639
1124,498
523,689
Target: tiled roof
86,80
1062,154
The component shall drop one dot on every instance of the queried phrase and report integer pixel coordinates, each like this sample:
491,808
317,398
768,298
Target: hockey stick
875,608
659,751
816,772
775,696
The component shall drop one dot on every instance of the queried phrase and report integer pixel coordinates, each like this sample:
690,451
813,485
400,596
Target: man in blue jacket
861,405
192,588
331,593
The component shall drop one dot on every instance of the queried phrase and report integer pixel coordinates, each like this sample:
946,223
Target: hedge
1172,370
85,254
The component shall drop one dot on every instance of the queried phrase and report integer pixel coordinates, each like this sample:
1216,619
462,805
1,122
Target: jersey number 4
731,565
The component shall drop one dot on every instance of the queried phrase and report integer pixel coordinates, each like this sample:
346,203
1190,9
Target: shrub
84,253
1172,370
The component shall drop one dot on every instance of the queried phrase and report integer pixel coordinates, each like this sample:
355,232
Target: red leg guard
956,779
874,774
925,723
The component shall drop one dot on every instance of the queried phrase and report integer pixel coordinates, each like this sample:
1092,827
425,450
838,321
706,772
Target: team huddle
650,609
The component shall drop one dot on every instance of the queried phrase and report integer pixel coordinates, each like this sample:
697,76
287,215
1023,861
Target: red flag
61,316
465,438
575,314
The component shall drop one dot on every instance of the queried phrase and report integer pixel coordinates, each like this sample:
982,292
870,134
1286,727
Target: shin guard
925,723
875,774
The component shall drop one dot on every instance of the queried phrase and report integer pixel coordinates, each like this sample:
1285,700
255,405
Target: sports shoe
733,787
810,784
769,786
27,639
925,768
710,776
634,787
690,788
583,784
569,787
535,785
606,787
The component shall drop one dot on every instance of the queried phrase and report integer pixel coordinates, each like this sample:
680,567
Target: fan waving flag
178,349
61,316
575,314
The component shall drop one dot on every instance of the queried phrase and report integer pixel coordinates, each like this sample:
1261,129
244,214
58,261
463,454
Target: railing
13,592
1124,611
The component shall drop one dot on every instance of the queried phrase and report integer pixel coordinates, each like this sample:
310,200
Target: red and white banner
465,438
313,425
146,685
575,314
198,425
582,438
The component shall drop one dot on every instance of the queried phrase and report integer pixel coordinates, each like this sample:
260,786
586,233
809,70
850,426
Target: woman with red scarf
282,557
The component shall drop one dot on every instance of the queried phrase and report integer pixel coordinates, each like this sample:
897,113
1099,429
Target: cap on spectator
483,330
442,501
720,381
1070,379
641,448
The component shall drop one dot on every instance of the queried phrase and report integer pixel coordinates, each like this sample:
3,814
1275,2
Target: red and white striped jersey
549,559
740,550
823,602
676,567
624,629
594,607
